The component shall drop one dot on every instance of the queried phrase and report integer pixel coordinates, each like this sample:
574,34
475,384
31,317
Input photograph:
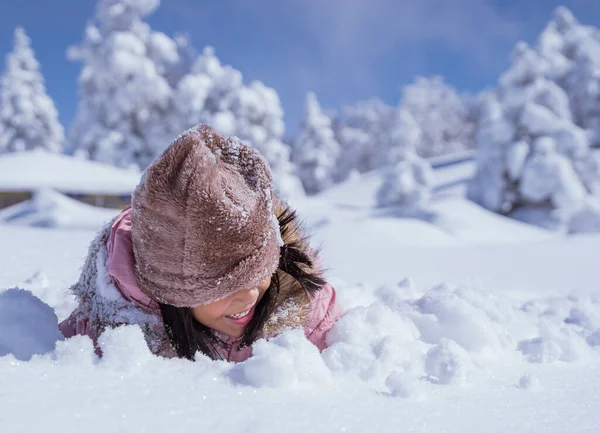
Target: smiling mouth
242,318
240,315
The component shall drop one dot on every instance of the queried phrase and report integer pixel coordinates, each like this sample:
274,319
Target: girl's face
231,314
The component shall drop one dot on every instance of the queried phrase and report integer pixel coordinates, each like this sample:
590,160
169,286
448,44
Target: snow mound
52,209
403,341
446,335
27,325
286,361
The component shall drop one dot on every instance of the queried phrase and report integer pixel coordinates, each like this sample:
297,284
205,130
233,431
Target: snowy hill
455,241
451,174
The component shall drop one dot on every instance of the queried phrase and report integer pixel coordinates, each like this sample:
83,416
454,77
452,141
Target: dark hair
189,336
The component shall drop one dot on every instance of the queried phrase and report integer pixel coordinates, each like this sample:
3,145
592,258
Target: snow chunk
75,351
28,326
124,348
557,342
404,385
448,363
286,361
528,381
540,351
467,317
373,341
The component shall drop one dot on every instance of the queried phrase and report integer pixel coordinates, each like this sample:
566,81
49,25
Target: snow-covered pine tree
216,94
363,132
124,116
572,51
443,116
315,150
28,117
530,153
408,180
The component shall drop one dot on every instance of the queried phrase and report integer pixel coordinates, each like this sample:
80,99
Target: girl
205,258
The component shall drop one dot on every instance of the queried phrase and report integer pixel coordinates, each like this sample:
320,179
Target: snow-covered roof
29,171
48,208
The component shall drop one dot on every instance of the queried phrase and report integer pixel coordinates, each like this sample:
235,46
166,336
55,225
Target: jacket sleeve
76,324
325,311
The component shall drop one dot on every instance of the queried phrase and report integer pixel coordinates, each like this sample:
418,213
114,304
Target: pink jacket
324,310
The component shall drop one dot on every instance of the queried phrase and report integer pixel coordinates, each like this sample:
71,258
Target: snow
496,330
29,171
213,403
287,361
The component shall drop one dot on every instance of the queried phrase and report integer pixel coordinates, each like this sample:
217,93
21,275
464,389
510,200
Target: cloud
354,31
346,46
351,34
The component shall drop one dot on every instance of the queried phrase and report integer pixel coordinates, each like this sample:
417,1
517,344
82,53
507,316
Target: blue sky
344,50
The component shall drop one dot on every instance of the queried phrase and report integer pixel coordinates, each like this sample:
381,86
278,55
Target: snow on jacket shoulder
109,296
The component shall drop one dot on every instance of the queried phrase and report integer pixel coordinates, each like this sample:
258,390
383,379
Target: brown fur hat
203,222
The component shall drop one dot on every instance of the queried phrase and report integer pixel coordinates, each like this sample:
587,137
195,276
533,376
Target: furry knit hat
203,222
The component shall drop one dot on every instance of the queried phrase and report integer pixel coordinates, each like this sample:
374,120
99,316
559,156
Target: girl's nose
249,296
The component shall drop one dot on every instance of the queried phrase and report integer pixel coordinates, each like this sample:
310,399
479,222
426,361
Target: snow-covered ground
457,320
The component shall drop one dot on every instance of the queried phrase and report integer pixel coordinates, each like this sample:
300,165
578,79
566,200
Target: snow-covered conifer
315,150
572,51
442,114
363,132
28,117
530,153
216,94
124,116
408,179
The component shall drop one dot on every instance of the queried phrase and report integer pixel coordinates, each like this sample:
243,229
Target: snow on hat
203,222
